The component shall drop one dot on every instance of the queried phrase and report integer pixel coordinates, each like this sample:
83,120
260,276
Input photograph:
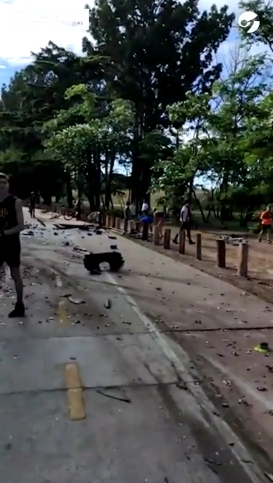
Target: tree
158,51
217,137
89,149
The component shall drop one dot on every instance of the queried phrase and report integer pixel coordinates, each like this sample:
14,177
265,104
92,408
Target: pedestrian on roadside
159,220
147,220
79,210
11,224
145,207
186,222
127,217
32,203
266,222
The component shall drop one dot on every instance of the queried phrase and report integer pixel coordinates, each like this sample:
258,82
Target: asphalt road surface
90,392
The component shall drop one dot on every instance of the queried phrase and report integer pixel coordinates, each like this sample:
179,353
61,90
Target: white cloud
28,25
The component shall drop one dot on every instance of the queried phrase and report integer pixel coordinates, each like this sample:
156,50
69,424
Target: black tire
68,215
114,259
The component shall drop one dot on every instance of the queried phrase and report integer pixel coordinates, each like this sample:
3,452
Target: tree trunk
69,191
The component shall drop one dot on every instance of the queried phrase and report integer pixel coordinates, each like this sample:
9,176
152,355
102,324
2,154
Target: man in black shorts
11,224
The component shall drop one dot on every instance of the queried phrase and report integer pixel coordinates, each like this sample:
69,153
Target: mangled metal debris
233,239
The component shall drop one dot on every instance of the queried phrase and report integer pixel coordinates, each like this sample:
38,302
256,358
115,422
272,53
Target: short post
117,222
182,242
243,260
167,238
107,221
221,253
198,247
145,231
156,235
113,222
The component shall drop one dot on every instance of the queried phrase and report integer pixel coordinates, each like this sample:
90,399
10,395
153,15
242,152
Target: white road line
181,366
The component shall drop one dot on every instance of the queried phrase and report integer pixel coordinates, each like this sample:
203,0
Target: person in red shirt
266,222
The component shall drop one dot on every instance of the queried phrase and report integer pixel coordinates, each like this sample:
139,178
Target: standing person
127,216
32,202
11,224
266,222
159,220
147,223
186,221
145,207
79,210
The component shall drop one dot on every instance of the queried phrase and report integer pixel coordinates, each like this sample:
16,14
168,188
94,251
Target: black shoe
175,241
18,311
191,242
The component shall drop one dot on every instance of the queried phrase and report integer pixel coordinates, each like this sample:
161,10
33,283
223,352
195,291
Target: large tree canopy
148,98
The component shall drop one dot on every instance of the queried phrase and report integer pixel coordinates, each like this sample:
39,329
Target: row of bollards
158,234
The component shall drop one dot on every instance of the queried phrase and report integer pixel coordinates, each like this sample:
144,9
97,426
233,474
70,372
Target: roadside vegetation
147,109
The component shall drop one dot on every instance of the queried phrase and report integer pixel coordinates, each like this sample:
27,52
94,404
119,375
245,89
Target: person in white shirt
145,207
185,220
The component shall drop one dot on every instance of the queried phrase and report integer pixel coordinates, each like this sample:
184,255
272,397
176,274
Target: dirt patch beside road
260,279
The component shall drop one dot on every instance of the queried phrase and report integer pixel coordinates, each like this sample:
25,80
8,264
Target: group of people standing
156,217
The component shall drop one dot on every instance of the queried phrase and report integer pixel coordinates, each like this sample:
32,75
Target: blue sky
28,25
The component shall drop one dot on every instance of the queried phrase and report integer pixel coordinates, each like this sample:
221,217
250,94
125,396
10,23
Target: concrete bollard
156,235
198,247
113,222
107,221
243,260
167,238
145,231
221,253
117,223
182,242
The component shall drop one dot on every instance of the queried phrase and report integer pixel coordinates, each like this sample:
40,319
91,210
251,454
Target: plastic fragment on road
108,304
263,348
76,301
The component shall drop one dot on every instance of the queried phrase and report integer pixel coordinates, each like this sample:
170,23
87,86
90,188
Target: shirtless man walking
11,224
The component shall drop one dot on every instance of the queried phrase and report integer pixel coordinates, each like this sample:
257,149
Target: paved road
94,394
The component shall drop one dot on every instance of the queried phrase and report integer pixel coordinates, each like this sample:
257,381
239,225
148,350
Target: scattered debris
263,348
76,301
111,396
108,304
211,462
233,239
